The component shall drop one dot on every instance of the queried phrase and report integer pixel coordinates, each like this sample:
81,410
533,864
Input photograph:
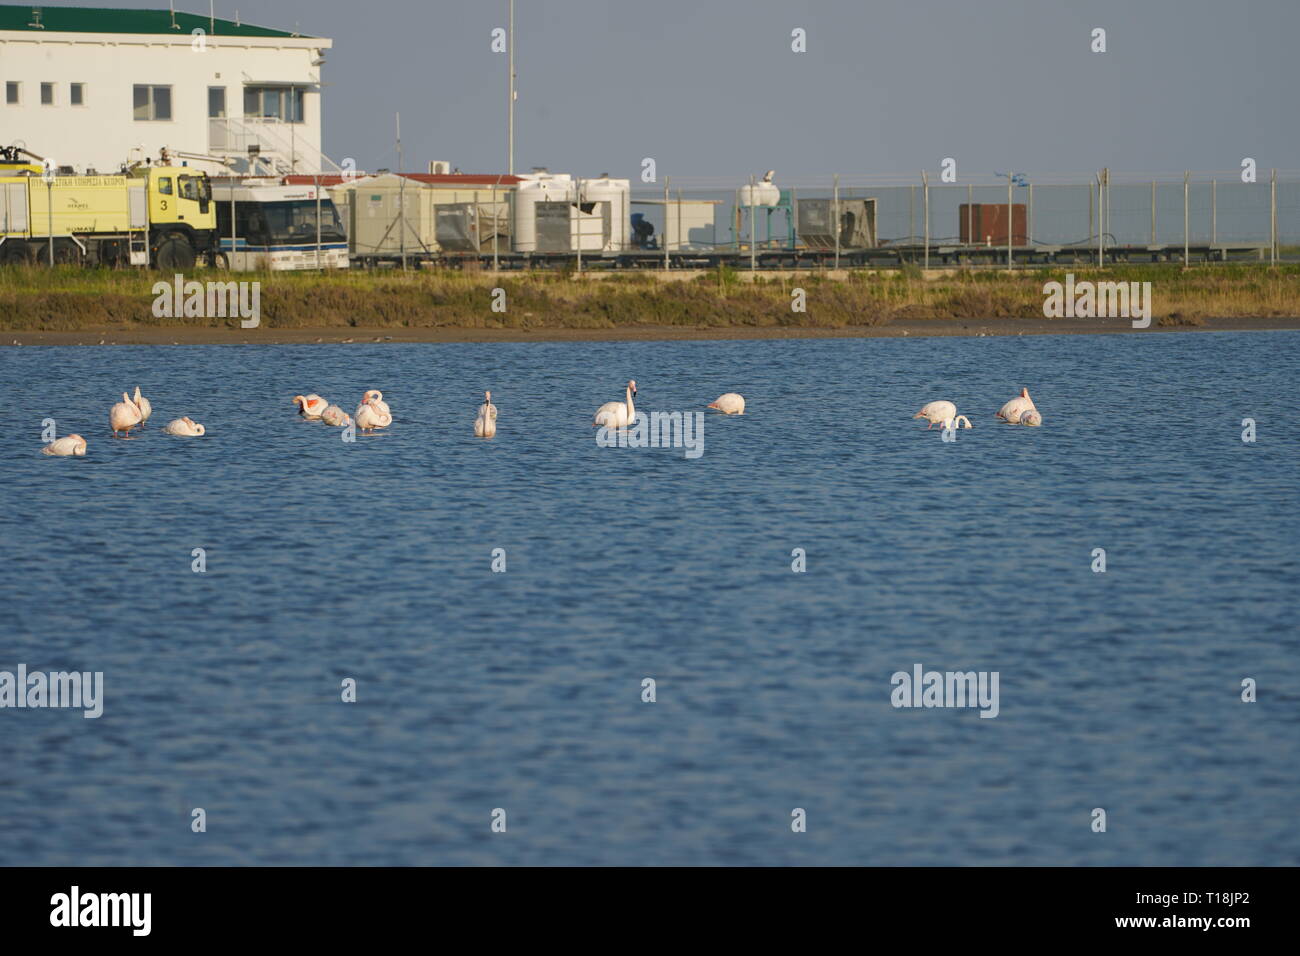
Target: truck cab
182,219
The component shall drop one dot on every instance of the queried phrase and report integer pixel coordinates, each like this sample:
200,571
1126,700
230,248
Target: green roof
103,20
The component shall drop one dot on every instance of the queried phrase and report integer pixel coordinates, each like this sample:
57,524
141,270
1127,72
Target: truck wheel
219,261
15,254
175,254
67,253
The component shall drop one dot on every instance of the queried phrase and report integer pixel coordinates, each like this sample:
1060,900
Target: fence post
1153,212
577,195
925,189
753,229
1011,229
1101,225
1273,214
970,212
1029,221
836,224
1214,212
667,181
1187,176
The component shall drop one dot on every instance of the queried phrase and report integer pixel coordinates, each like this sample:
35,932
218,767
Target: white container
532,189
616,195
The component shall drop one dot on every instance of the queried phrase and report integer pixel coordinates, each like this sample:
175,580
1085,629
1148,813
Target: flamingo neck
631,409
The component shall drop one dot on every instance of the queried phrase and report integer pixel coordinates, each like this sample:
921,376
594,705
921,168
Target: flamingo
1012,410
732,403
186,427
376,397
485,426
942,413
124,416
310,406
335,416
370,416
65,446
617,414
142,403
1032,417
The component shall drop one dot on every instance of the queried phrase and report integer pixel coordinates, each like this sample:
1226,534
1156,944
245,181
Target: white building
94,88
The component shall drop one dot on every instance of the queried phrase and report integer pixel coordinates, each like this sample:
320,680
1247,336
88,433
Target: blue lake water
522,690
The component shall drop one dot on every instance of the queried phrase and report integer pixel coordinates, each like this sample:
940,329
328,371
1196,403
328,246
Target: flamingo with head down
311,406
185,427
1012,410
66,446
731,403
942,413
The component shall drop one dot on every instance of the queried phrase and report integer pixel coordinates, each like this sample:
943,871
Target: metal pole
1273,213
318,260
911,217
578,193
510,53
496,229
753,228
925,196
836,224
49,208
667,181
1089,212
1187,176
1011,231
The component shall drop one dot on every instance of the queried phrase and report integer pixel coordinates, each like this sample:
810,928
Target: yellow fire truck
160,216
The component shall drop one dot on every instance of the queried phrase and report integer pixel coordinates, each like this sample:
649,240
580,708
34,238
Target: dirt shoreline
194,335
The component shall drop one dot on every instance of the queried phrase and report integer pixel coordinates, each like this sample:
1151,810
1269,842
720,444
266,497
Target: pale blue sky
710,88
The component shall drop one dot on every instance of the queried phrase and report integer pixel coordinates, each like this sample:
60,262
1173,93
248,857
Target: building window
153,102
77,94
11,92
216,102
282,103
47,94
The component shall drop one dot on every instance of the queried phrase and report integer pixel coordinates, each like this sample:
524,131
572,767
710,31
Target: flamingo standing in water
66,446
372,414
942,413
310,407
124,416
617,414
1012,410
485,425
142,403
376,398
732,403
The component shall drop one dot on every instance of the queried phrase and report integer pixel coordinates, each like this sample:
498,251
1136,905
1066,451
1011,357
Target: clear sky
711,88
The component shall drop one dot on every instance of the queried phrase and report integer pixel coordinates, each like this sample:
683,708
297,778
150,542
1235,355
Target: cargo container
986,224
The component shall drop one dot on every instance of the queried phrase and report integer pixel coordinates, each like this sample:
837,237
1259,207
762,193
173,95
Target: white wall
103,132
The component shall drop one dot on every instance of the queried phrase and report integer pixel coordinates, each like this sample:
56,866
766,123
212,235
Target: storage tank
616,194
537,187
764,193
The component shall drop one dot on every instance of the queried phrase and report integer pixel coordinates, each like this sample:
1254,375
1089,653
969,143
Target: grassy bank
71,299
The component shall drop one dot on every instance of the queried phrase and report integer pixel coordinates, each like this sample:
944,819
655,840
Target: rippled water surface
522,690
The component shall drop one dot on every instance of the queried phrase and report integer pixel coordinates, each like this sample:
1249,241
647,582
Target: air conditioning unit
438,167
